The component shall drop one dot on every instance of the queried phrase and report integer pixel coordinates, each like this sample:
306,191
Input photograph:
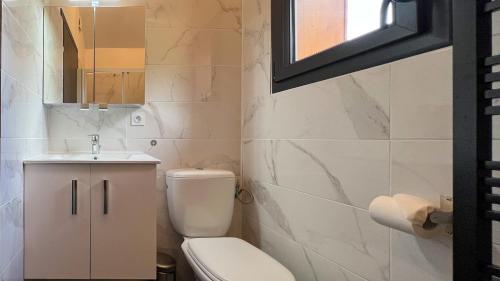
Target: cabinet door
123,221
57,221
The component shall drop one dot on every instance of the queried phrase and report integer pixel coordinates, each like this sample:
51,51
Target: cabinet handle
74,194
106,187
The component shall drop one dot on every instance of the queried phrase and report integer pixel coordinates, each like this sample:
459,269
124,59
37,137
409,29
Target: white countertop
87,158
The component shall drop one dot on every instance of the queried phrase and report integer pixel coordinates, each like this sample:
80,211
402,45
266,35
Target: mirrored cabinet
94,55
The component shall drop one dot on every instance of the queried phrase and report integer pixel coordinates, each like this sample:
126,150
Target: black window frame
418,26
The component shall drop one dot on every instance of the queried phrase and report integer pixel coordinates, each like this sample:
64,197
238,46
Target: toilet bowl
200,204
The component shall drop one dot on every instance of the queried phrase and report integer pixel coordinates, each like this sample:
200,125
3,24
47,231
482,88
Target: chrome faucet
94,140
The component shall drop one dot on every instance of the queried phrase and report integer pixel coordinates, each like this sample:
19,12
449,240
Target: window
314,40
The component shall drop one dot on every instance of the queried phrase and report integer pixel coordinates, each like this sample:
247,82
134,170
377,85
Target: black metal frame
419,26
472,140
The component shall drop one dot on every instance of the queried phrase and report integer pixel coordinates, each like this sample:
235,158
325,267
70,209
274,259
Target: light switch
138,119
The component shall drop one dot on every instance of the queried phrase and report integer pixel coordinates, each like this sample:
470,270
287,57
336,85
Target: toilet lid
232,259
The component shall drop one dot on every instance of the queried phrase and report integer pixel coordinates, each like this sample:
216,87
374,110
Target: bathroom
373,105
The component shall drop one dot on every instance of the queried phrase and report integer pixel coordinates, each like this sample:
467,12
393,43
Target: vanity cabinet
123,230
93,221
56,241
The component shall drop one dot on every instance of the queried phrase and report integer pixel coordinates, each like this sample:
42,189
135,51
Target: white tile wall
421,97
294,255
351,172
188,121
338,232
415,259
193,83
24,125
422,168
187,46
316,155
352,107
213,14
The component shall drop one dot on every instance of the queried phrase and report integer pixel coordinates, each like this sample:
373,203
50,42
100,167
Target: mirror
119,55
68,53
94,55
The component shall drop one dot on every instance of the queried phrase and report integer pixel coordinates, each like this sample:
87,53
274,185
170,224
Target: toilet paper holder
444,215
414,215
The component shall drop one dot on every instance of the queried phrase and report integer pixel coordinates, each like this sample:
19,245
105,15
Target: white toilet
200,204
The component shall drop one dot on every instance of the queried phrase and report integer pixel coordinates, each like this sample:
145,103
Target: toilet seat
232,259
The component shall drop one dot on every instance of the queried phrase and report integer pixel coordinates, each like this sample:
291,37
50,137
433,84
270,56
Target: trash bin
165,267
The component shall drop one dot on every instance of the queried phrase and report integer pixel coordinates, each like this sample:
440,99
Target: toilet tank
200,202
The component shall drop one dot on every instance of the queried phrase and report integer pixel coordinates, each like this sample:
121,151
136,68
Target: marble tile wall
315,157
193,72
23,122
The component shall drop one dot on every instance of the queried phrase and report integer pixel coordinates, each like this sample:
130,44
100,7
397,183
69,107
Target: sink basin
115,157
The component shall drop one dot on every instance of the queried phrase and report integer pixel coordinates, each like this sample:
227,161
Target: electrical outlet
138,119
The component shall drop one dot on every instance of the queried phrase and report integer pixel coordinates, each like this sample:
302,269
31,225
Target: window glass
323,24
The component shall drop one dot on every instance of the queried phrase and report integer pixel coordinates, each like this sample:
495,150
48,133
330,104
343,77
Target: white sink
111,157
